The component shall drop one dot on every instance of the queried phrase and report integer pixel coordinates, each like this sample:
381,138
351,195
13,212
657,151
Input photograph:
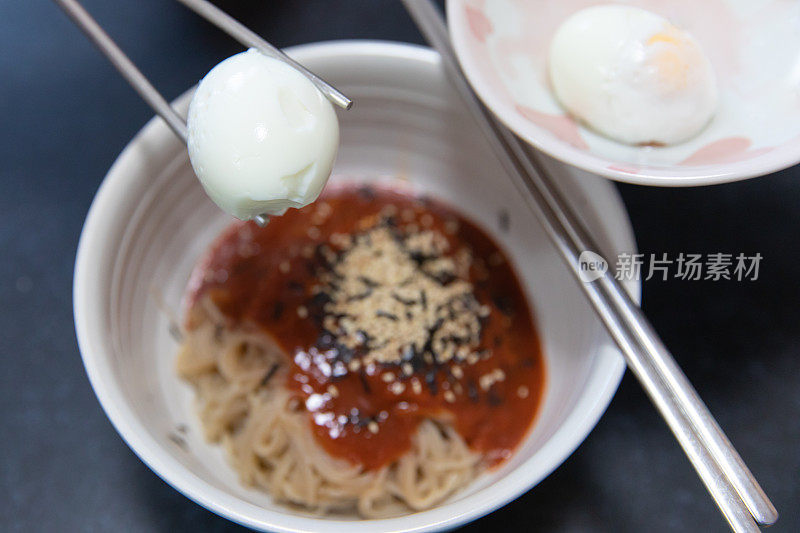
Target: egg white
262,138
632,76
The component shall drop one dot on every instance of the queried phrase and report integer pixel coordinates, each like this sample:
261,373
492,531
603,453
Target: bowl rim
781,157
86,285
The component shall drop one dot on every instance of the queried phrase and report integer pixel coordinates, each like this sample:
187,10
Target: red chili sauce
268,278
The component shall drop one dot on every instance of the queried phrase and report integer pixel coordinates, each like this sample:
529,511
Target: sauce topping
392,308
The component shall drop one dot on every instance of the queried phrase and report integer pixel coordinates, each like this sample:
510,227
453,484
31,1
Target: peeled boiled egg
632,76
262,138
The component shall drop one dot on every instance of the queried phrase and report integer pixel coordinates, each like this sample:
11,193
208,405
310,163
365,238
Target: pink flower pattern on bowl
755,49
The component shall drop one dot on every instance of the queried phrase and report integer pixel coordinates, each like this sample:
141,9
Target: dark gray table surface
64,117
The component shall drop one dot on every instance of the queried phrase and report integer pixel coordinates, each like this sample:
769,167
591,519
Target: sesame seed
382,294
389,210
373,427
457,372
416,386
523,391
324,209
284,267
412,228
313,232
307,251
407,215
340,240
449,396
397,387
318,219
354,365
451,226
333,391
487,380
302,312
426,220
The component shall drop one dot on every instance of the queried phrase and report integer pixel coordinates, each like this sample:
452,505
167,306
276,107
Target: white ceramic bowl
150,221
755,50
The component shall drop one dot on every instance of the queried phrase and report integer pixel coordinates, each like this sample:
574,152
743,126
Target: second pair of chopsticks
734,488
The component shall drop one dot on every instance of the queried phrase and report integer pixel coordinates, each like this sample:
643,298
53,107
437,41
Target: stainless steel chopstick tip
251,39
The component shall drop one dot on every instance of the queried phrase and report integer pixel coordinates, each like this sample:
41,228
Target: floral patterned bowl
755,49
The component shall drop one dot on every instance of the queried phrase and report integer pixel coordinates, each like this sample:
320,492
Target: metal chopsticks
249,38
124,65
213,14
731,484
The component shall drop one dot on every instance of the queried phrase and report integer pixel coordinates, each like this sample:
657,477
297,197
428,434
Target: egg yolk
673,58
